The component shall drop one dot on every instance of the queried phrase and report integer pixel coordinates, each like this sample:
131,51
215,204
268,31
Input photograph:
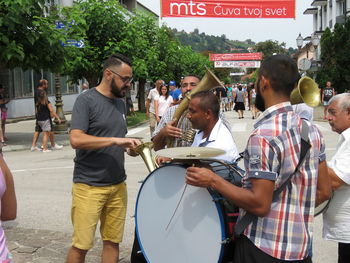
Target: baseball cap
172,83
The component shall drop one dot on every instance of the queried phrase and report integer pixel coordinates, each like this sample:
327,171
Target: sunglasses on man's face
124,79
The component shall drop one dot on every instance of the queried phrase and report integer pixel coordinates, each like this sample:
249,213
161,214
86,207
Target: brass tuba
145,151
307,92
208,82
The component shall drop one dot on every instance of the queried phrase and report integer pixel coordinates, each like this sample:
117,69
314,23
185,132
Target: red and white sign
228,8
235,56
237,64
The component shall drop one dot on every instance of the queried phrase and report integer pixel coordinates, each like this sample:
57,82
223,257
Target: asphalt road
43,186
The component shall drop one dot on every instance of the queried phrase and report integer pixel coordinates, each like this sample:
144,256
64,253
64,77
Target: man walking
327,93
150,108
281,229
336,219
98,130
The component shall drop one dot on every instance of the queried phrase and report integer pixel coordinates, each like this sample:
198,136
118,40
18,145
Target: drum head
196,230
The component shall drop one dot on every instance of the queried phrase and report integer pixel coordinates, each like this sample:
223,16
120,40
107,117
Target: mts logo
188,9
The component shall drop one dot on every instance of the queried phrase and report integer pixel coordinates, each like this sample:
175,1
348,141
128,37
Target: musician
282,230
203,113
336,219
166,127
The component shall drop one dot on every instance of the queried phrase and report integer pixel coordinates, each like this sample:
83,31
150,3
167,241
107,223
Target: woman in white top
163,103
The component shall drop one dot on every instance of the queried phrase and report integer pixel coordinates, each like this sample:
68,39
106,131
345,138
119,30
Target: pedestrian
8,207
336,218
163,103
150,110
327,93
4,99
281,227
253,109
240,102
43,85
98,129
43,113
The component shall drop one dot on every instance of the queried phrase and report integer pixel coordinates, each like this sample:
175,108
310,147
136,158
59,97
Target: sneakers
57,147
47,151
35,148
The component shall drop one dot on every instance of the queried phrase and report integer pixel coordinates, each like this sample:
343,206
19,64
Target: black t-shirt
222,91
42,112
100,116
327,93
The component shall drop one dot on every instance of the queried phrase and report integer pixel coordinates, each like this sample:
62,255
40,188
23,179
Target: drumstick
178,204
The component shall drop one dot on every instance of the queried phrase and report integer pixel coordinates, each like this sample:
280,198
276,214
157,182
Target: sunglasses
124,79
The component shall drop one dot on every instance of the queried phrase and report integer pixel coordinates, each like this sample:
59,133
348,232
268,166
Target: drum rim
217,206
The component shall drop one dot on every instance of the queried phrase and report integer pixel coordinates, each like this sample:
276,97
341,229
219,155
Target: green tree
269,47
335,57
28,37
104,22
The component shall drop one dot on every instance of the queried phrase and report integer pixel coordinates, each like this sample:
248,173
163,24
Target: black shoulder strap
305,146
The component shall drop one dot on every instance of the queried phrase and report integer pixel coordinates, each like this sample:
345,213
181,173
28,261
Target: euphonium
145,151
208,82
307,92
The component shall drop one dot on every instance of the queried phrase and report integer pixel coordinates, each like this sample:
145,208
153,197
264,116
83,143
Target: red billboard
235,56
228,8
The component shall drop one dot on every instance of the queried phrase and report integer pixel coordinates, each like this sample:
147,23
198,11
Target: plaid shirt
183,123
272,153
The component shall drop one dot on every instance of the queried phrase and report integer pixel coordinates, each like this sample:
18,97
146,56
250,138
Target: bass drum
178,223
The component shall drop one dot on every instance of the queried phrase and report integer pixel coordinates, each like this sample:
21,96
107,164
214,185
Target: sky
258,30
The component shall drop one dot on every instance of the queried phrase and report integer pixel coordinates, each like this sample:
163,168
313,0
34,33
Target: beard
118,92
259,100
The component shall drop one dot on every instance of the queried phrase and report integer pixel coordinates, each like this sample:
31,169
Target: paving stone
27,250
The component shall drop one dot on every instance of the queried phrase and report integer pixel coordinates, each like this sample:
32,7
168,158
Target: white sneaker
47,151
57,147
35,148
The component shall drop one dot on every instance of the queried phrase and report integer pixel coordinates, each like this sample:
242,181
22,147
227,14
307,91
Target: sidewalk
20,135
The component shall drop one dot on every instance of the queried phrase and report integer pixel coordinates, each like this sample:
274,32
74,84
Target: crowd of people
286,173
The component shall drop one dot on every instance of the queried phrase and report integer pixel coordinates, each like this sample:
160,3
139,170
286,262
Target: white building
326,13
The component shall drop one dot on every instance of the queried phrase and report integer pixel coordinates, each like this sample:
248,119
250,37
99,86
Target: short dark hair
282,71
208,101
116,60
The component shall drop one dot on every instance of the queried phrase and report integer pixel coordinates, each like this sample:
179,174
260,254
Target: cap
172,83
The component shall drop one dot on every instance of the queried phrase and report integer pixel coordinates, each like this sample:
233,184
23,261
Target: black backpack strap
305,146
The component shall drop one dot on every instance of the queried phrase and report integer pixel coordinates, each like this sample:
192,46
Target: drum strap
305,146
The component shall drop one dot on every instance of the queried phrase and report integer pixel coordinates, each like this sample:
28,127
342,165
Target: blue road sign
73,43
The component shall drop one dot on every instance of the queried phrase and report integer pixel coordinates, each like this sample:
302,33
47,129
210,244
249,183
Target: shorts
325,102
152,121
224,100
38,128
3,115
93,203
45,125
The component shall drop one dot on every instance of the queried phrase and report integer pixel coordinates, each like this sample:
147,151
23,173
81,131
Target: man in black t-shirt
327,93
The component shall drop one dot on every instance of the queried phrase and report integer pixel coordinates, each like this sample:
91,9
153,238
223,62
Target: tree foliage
269,47
335,57
29,38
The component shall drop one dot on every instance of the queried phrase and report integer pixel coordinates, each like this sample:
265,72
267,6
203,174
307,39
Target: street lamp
315,41
300,41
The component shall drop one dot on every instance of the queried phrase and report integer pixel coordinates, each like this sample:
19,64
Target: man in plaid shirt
282,230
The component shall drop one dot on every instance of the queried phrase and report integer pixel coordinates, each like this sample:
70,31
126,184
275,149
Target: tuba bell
145,151
307,92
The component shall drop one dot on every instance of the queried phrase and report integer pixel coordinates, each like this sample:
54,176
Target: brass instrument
208,82
307,92
145,151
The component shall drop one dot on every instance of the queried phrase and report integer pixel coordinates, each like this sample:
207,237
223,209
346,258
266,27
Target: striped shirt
272,153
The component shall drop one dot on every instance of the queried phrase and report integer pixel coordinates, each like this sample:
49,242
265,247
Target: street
43,185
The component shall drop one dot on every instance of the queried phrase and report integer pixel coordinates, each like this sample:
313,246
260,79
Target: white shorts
45,125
